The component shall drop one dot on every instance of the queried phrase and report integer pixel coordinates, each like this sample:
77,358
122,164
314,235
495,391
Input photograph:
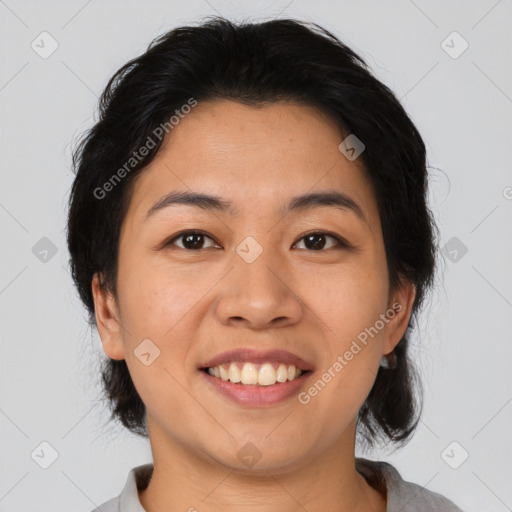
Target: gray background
462,105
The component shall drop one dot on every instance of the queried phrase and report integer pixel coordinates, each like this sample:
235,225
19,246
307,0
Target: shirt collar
138,479
380,475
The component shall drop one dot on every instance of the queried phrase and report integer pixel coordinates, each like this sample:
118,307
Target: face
261,274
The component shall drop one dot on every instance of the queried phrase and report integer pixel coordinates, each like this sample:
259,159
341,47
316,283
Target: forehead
257,158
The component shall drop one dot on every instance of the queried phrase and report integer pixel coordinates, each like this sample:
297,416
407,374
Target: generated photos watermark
137,156
342,360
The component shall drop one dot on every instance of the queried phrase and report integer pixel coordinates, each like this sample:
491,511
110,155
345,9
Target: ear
401,303
109,327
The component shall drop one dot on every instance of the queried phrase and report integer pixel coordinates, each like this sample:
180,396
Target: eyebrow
302,202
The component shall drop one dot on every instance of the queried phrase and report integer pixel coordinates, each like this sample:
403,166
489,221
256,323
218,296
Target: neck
184,479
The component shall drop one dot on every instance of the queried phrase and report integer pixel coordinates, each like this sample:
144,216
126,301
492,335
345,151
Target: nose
258,295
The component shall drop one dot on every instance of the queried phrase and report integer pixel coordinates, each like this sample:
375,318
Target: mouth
251,374
247,367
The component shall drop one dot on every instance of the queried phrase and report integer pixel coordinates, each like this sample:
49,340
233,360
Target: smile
245,373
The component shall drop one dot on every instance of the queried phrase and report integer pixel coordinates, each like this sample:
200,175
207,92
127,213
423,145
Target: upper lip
258,356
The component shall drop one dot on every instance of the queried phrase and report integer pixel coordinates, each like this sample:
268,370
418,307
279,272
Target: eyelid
170,241
340,241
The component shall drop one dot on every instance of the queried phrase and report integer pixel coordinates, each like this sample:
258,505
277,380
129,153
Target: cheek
350,309
331,403
163,390
160,308
342,383
165,315
155,299
351,302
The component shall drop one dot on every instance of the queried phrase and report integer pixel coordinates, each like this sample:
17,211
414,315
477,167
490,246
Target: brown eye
191,240
316,241
195,241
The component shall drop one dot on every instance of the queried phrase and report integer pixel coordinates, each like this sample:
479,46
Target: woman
249,232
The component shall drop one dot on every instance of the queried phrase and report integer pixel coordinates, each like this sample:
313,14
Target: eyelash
341,243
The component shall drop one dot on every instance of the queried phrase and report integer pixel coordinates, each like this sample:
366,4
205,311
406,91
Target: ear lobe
109,327
401,302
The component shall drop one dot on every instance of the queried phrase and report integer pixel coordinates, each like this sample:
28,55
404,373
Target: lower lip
258,396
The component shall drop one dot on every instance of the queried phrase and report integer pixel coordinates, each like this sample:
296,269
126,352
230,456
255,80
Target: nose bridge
258,293
258,266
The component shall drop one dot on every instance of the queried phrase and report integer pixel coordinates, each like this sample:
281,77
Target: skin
196,303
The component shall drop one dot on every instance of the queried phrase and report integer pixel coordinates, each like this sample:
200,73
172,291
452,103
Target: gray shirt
402,496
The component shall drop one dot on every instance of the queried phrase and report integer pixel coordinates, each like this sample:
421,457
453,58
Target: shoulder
402,495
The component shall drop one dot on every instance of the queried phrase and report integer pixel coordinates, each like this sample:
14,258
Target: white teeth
267,375
234,373
223,373
282,373
249,374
